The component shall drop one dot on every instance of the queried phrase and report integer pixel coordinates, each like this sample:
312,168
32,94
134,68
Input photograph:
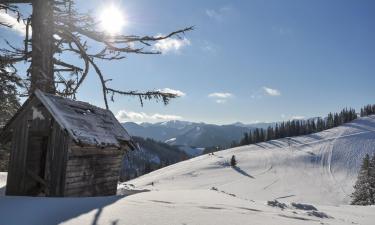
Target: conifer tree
245,140
364,188
9,81
233,161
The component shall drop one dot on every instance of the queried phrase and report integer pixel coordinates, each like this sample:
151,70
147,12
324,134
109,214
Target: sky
248,61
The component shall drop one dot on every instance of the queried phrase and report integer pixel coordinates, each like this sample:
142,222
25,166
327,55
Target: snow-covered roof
85,123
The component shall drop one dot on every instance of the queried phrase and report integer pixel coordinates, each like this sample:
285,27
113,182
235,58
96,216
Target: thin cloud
19,27
218,14
209,47
172,91
130,116
220,97
171,45
271,91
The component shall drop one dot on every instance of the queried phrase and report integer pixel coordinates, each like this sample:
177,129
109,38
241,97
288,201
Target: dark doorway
35,184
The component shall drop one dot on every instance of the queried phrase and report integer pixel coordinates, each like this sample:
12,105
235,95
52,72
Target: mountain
190,136
302,180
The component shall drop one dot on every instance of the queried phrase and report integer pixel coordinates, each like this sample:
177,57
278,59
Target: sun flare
112,20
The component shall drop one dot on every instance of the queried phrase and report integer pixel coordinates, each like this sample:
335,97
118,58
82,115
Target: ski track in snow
267,162
318,169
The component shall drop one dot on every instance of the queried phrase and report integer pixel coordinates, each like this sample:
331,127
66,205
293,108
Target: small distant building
62,147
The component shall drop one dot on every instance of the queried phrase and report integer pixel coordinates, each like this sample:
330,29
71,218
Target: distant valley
191,137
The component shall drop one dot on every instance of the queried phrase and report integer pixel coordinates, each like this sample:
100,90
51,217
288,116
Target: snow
37,114
319,168
306,179
170,140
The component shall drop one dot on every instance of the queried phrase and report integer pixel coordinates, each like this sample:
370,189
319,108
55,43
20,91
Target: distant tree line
294,128
368,110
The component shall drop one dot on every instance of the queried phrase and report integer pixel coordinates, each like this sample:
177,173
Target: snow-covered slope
318,169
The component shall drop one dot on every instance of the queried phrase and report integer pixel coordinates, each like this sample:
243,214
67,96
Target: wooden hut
62,147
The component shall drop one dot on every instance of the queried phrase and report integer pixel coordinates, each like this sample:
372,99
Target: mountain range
192,137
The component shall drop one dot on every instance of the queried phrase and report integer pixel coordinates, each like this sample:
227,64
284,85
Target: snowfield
301,180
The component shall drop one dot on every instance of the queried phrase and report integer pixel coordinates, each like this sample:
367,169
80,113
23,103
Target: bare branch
165,97
72,30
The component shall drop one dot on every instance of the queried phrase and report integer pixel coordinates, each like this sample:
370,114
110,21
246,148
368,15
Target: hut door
39,131
35,165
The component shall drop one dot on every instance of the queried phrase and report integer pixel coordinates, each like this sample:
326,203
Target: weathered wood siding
92,171
58,145
17,162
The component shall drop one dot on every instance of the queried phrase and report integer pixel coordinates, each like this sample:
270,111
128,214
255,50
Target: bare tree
58,29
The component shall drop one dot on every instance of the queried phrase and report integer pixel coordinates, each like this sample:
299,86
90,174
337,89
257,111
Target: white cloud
172,91
19,27
271,91
127,116
171,45
221,97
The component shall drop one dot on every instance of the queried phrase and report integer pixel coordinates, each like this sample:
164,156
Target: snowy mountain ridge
191,137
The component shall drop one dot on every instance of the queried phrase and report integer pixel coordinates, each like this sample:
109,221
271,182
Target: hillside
319,168
150,156
311,177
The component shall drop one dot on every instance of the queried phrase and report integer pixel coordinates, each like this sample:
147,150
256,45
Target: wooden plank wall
92,172
58,146
17,161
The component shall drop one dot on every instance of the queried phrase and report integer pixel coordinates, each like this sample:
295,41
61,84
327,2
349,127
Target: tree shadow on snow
242,172
260,145
275,143
35,210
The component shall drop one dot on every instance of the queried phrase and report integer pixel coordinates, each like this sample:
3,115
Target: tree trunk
42,74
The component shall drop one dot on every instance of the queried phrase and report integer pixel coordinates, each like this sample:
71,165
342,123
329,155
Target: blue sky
245,61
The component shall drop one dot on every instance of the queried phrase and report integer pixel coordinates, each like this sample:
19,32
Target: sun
112,20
